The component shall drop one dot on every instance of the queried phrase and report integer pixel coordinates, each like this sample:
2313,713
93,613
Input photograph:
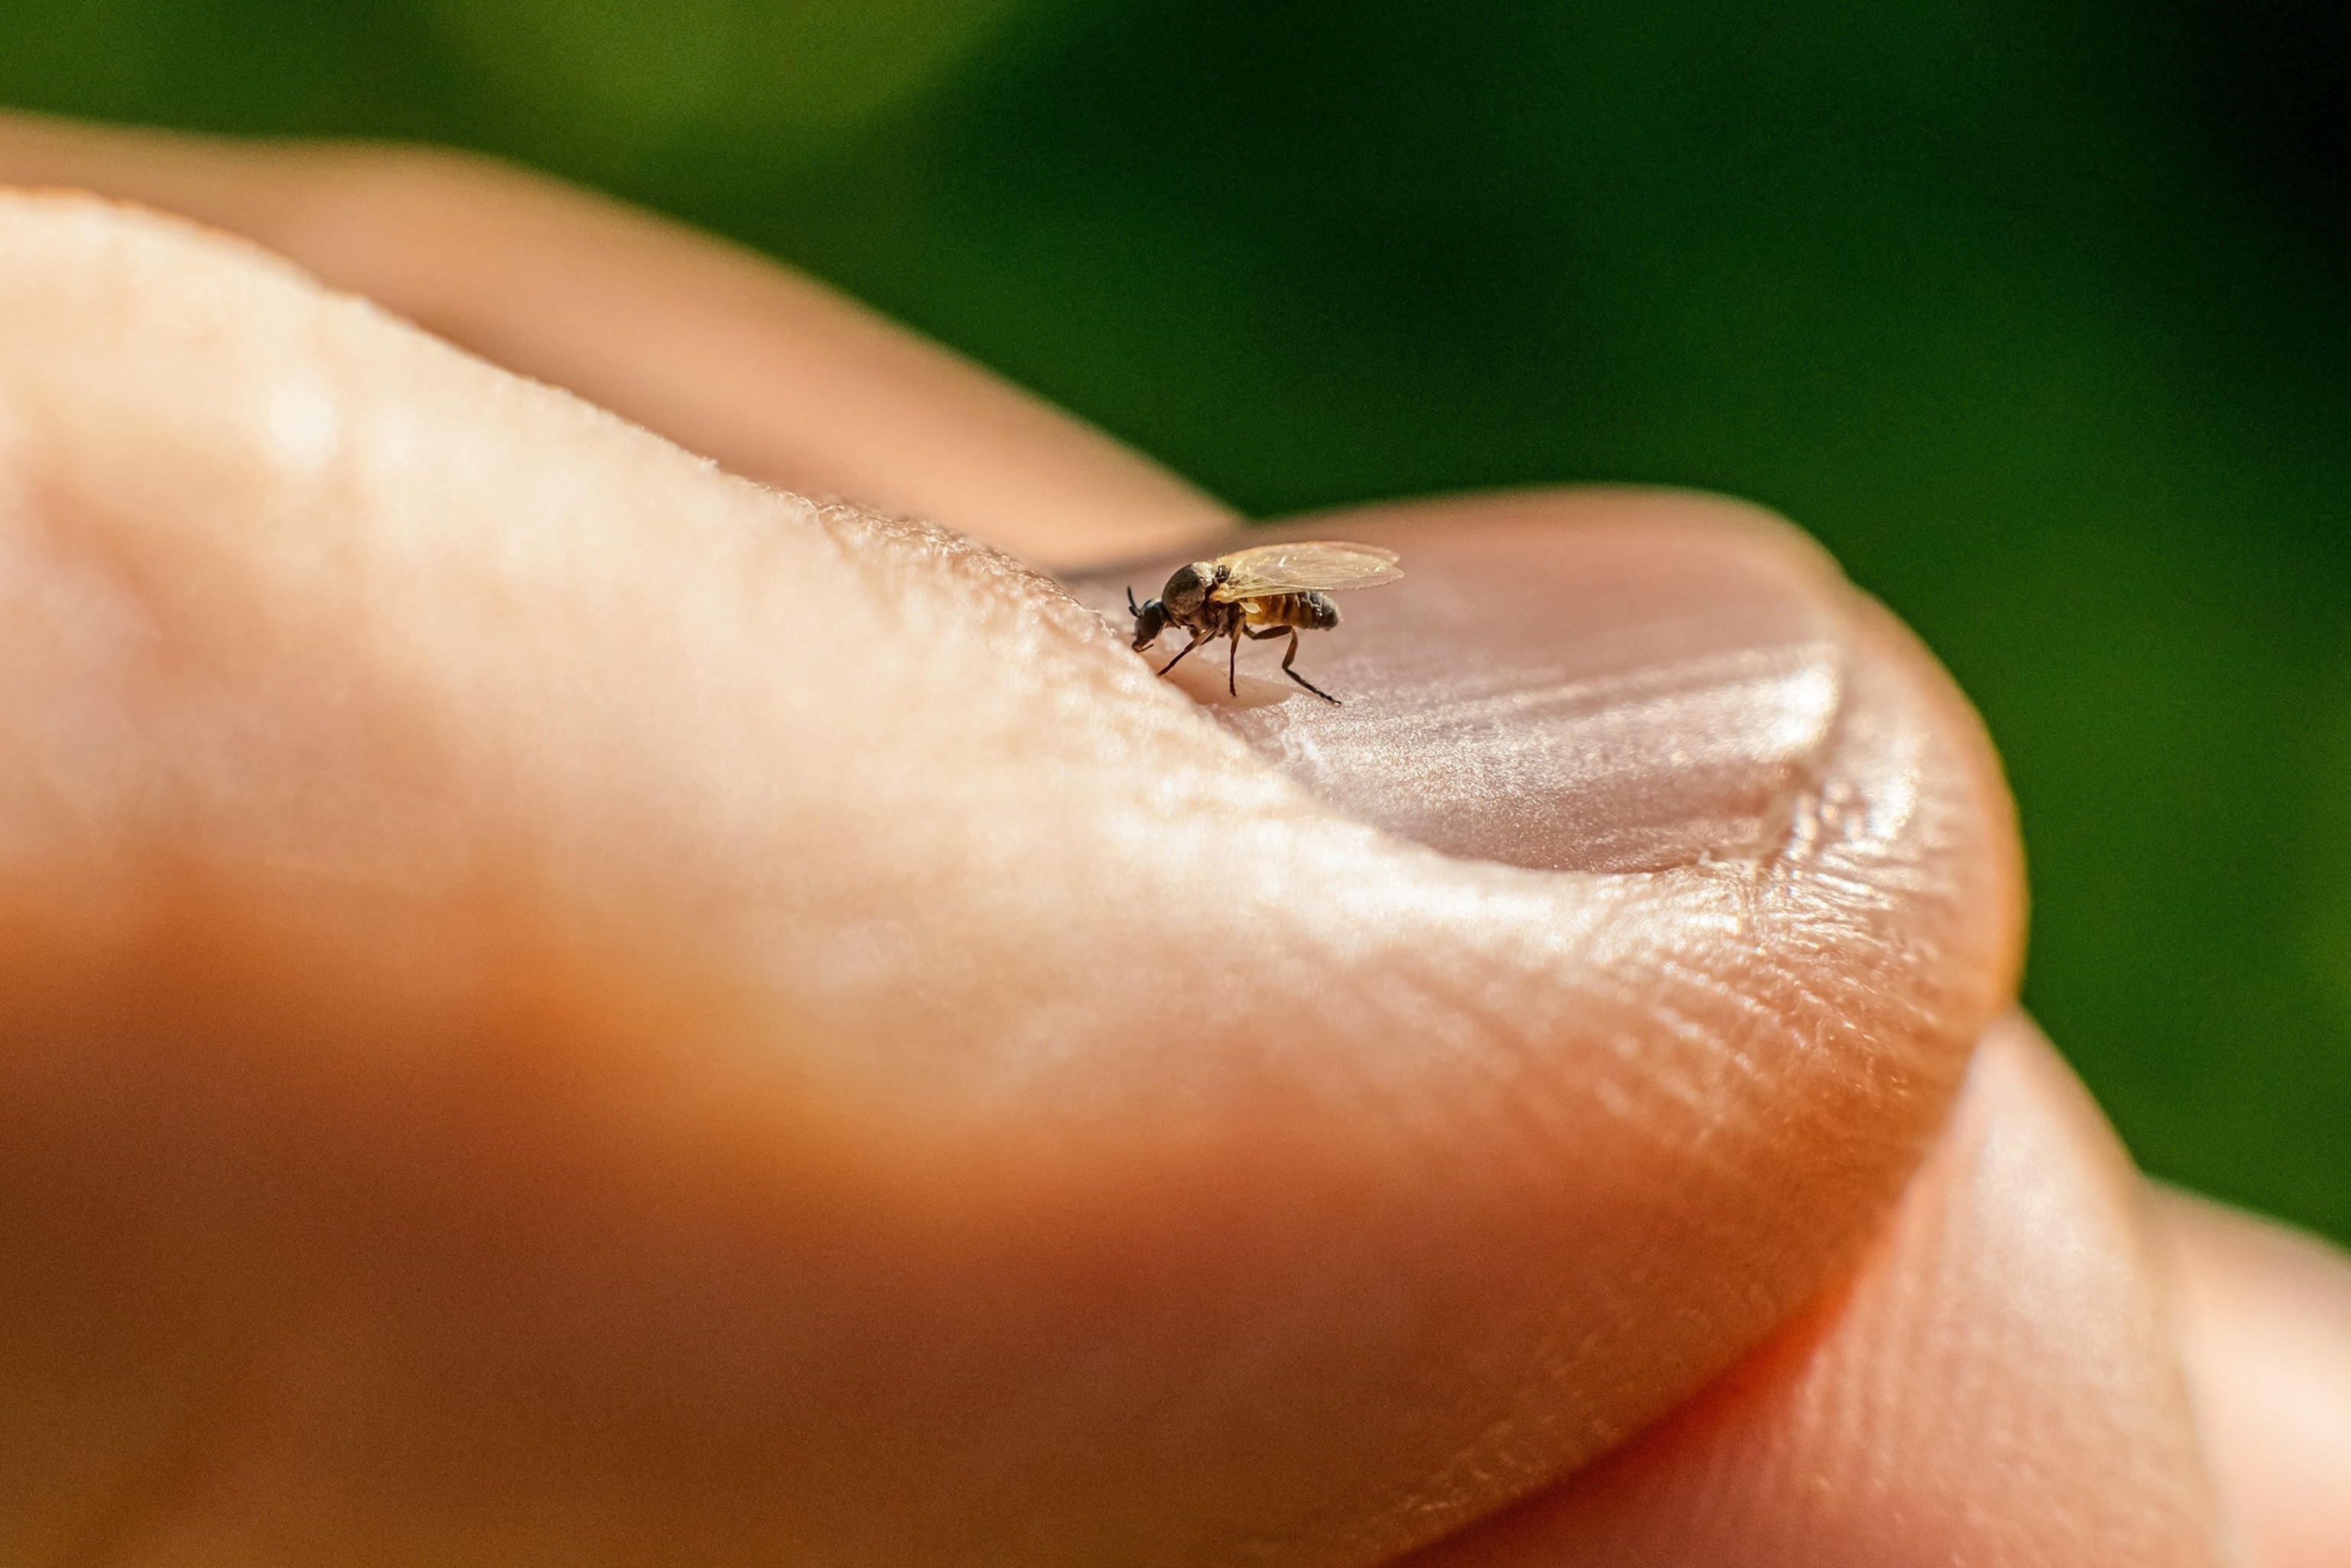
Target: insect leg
1232,666
1302,680
1196,642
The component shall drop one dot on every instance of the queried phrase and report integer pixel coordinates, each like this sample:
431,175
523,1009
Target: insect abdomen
1308,611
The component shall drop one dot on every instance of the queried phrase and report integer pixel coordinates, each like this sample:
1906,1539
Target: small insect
1261,593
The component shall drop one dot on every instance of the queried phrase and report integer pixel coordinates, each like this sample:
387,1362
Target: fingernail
1588,682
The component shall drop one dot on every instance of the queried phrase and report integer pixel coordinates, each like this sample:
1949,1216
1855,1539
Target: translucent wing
1305,563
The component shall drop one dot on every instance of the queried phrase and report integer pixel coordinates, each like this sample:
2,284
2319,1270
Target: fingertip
1996,1383
2264,1317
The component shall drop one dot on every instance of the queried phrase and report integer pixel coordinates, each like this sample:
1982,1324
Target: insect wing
1292,567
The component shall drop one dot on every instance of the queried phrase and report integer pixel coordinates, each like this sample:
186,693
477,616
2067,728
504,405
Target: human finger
2264,1315
565,1007
1998,1383
731,355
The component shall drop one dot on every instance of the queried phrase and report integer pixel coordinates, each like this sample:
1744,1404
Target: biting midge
1269,590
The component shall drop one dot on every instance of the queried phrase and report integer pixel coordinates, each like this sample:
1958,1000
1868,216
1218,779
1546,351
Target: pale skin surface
564,1008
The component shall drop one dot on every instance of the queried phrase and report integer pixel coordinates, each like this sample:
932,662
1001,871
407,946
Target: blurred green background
2038,314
